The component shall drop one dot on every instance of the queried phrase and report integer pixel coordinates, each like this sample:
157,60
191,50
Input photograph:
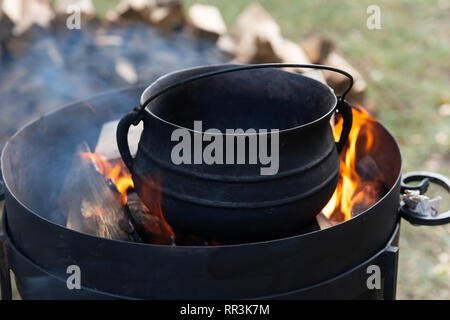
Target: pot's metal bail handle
423,214
343,107
132,118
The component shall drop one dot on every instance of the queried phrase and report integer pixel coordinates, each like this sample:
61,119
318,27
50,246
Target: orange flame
352,190
118,173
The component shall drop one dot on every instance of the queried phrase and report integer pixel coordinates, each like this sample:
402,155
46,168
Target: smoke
60,66
49,68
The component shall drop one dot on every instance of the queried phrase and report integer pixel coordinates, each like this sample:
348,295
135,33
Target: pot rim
146,93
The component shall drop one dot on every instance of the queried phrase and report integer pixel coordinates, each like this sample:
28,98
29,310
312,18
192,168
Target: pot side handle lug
421,216
132,118
346,110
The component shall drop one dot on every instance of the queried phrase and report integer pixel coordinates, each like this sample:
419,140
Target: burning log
91,205
368,169
152,228
323,221
149,225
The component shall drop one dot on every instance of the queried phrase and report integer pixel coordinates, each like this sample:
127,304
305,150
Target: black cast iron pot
237,202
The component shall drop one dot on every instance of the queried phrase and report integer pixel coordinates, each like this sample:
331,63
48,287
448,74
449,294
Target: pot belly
243,209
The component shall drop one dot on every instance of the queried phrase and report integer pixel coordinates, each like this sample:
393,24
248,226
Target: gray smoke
59,65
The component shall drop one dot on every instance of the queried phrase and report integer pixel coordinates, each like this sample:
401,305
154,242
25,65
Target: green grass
102,6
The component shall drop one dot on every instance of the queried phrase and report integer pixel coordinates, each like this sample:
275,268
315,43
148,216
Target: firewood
368,169
259,40
149,225
339,82
92,206
257,35
168,17
323,221
85,6
151,229
227,45
206,21
291,52
134,10
317,48
26,13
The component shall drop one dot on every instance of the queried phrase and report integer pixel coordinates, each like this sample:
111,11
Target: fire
117,173
360,182
151,218
354,193
157,224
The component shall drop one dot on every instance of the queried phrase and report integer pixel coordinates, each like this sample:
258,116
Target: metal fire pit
38,248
